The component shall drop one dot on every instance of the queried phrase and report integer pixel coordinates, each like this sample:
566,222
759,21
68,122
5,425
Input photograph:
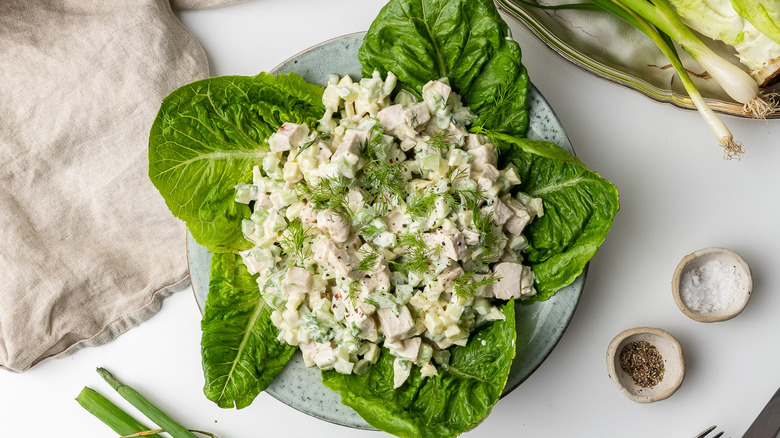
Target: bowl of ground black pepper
646,364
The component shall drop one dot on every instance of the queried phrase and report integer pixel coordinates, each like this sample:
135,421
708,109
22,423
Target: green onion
732,148
107,412
140,402
659,21
732,79
646,16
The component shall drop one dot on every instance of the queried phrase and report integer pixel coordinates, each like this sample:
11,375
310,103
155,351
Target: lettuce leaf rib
241,354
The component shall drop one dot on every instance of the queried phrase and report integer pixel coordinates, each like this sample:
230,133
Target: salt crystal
710,287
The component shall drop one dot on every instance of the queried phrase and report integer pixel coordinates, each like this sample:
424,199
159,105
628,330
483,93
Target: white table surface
677,195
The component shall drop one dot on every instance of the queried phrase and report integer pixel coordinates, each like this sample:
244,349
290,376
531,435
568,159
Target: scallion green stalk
733,80
110,414
151,411
732,149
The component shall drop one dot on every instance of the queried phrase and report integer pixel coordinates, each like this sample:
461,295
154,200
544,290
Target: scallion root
731,149
762,106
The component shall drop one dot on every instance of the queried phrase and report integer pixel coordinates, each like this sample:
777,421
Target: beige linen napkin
87,247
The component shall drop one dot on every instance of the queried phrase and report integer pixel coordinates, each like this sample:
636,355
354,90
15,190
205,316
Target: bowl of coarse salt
712,284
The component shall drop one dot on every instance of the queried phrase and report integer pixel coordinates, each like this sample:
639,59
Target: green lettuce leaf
241,354
457,399
206,139
579,209
763,14
462,40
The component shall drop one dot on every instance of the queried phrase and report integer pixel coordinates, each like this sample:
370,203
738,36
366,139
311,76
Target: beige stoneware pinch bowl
730,259
673,361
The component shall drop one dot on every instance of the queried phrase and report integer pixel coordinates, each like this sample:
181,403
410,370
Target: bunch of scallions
123,423
751,27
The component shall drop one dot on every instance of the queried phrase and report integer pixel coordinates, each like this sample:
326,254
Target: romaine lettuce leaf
241,354
579,209
462,40
763,14
457,399
206,139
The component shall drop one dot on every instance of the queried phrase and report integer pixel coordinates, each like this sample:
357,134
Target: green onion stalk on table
123,423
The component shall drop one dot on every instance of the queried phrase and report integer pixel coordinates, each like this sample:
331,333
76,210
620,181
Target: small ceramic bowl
673,361
731,261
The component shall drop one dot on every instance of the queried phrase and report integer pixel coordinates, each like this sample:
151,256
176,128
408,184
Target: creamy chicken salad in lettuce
385,226
389,226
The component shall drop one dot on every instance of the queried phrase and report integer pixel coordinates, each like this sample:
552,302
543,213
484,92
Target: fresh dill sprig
384,183
369,231
368,262
420,206
418,255
465,287
330,193
496,111
352,292
440,142
483,222
371,146
456,173
295,241
488,239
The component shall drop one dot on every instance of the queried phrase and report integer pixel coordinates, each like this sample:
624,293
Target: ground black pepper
642,361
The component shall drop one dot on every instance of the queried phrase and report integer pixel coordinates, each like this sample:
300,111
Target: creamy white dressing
390,226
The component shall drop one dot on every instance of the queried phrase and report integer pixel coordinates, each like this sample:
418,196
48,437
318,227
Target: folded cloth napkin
87,247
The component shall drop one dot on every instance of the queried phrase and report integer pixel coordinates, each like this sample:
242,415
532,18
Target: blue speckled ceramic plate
539,326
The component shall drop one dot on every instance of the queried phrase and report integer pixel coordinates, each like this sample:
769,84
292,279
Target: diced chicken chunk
364,323
392,117
329,255
296,281
484,290
396,327
325,357
516,224
308,214
418,114
288,135
482,155
396,121
379,280
408,349
436,94
324,154
449,275
470,236
349,148
514,281
501,213
486,177
396,221
335,224
451,243
473,141
253,266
